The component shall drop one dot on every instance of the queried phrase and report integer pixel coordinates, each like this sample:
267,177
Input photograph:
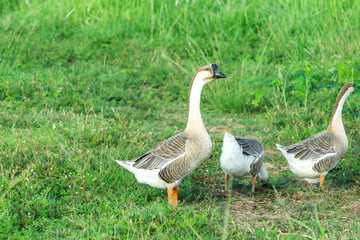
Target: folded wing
315,148
254,148
164,153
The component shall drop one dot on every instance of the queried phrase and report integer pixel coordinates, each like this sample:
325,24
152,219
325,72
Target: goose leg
322,179
176,190
173,195
253,184
226,181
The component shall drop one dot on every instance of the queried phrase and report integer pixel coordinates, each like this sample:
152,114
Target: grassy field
83,83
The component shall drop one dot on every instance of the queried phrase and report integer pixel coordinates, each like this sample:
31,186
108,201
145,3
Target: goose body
315,156
242,156
168,163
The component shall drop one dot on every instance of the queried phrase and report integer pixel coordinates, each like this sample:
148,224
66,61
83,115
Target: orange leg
176,190
253,184
306,183
322,179
226,181
173,195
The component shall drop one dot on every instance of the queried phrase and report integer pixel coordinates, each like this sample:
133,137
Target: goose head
349,87
336,125
345,91
208,73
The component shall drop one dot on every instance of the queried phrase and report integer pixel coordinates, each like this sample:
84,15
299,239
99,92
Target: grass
83,83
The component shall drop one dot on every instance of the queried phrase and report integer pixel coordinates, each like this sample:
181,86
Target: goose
314,157
242,156
169,162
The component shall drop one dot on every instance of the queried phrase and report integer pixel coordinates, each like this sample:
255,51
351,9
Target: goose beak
216,72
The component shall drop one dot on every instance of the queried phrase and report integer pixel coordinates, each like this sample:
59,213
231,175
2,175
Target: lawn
84,83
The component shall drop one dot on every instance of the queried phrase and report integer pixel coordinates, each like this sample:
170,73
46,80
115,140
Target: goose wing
164,153
254,148
326,163
250,146
317,147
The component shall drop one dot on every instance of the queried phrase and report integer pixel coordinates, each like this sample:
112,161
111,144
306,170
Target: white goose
317,155
167,164
242,156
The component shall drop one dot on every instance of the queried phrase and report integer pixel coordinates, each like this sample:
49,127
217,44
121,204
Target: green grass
83,83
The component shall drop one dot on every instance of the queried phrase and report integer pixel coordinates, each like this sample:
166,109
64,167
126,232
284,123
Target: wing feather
250,146
316,147
325,164
254,148
162,154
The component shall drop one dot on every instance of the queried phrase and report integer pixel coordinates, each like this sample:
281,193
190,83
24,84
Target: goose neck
195,123
336,125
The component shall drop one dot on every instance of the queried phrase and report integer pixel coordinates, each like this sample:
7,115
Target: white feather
302,168
232,160
150,177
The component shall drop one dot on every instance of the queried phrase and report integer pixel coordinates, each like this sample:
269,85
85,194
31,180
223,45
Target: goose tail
281,147
125,164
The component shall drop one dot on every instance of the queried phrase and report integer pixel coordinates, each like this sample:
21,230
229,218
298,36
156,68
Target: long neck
336,125
195,123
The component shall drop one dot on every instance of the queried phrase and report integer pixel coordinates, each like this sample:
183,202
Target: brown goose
317,155
242,156
167,164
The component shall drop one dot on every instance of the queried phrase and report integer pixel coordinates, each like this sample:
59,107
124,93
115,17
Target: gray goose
168,163
314,157
242,156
